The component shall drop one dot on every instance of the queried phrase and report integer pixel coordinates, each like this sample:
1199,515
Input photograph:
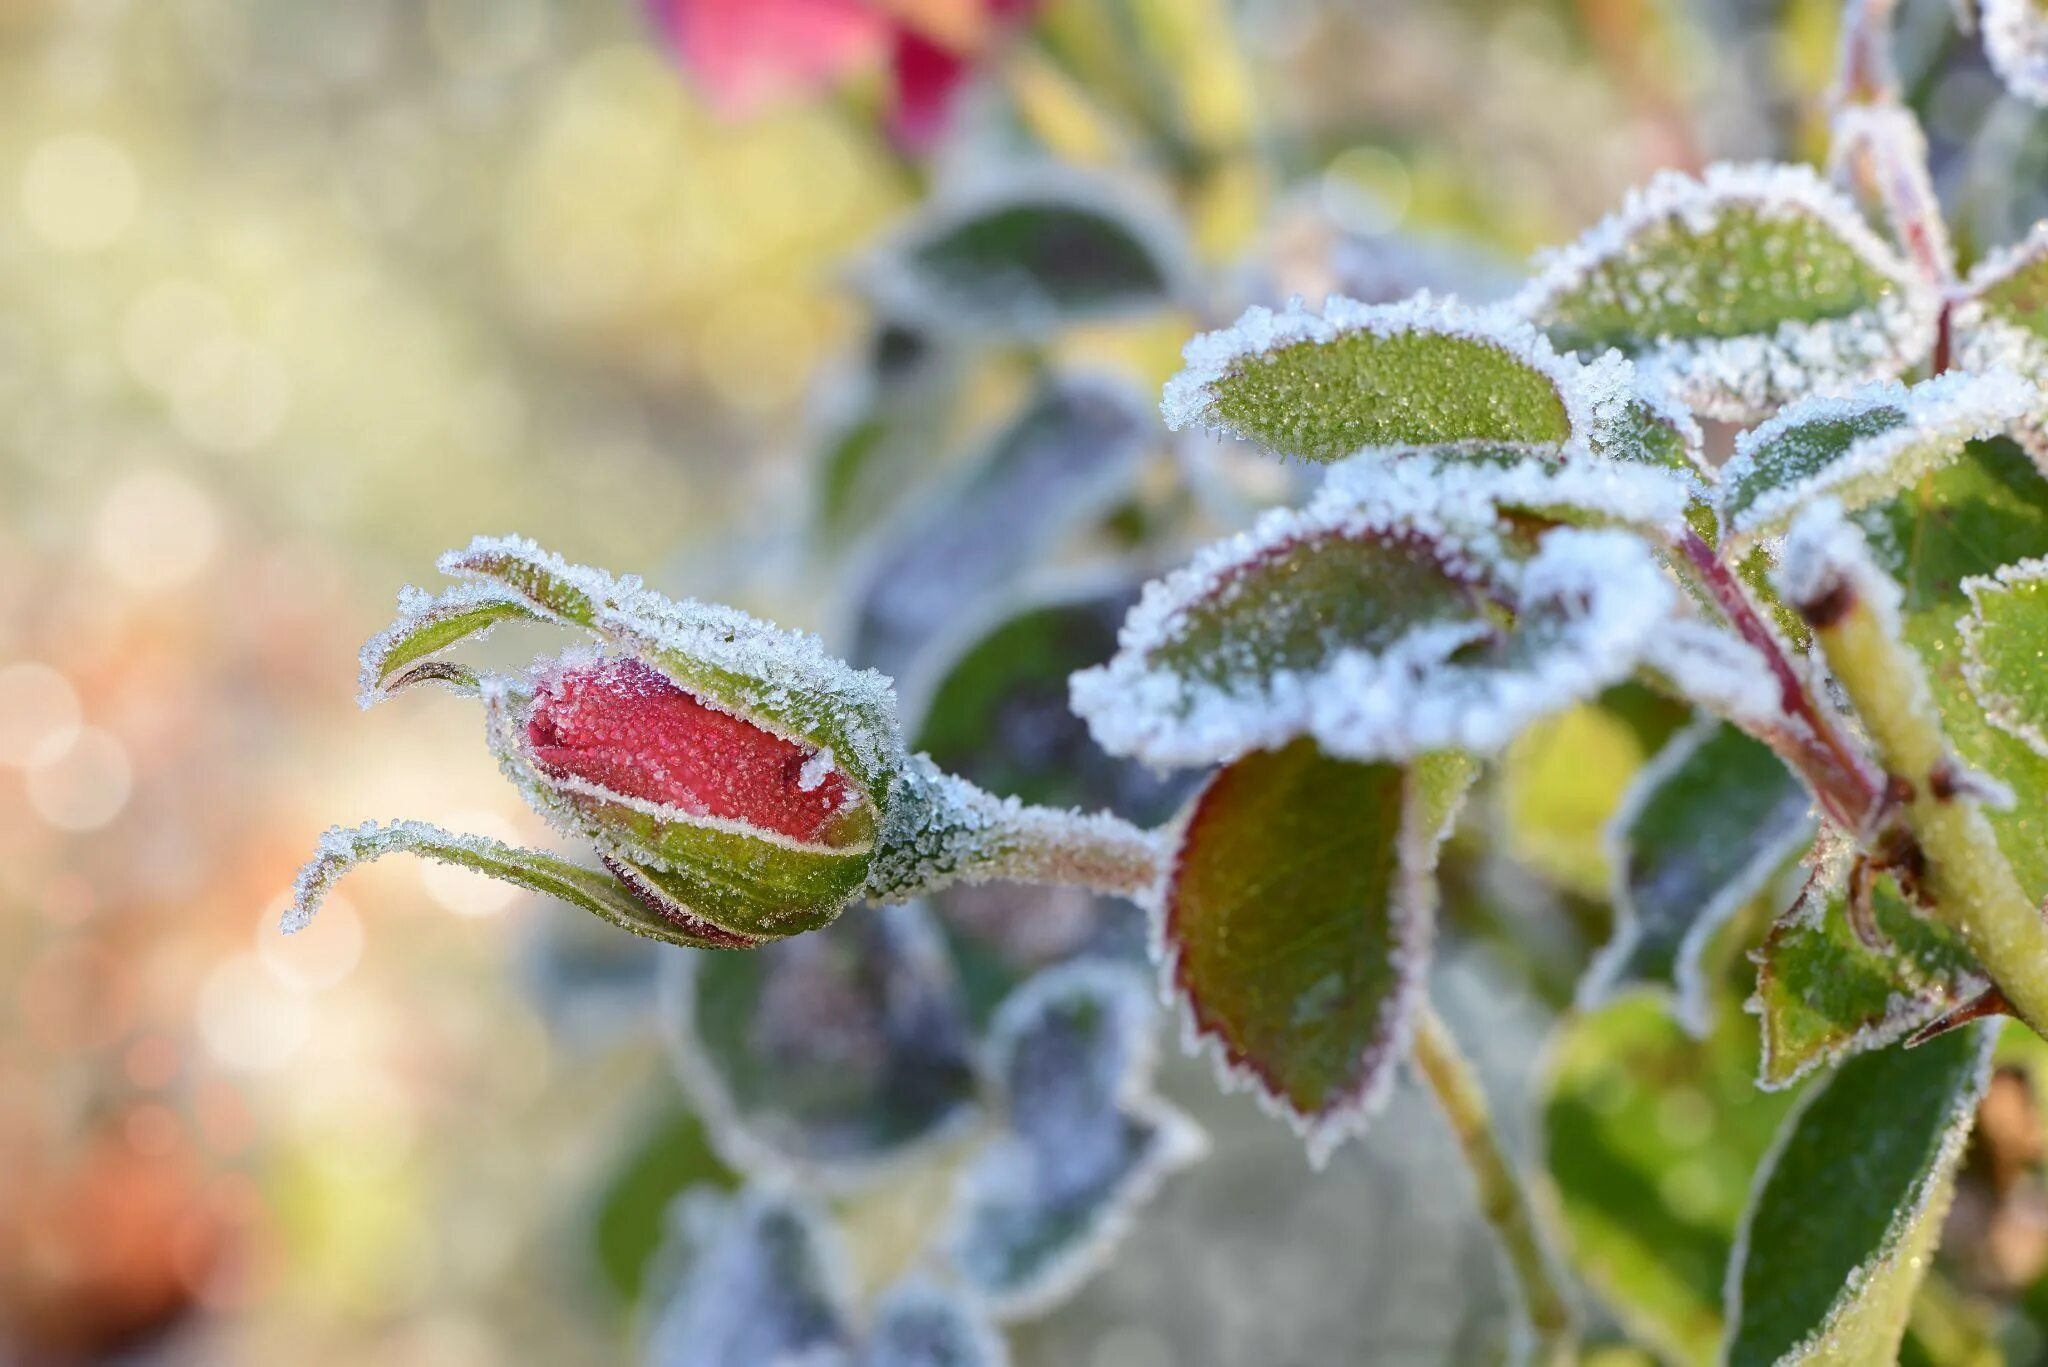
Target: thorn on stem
1989,1002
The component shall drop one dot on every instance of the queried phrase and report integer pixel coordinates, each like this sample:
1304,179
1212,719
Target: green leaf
342,849
1297,923
1084,1140
884,430
671,1155
1421,373
1862,447
402,654
1065,458
1382,630
832,1055
1651,1137
1743,290
998,714
920,1323
1985,510
2005,640
1027,255
1823,995
1849,1206
1700,833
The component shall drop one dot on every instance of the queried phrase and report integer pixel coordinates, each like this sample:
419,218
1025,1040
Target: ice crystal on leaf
2000,321
1863,446
1744,289
1385,620
2004,637
1423,372
762,1280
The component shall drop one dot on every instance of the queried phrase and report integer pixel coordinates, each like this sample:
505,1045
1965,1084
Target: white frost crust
1825,551
1694,1007
739,1146
1719,672
777,675
418,609
343,848
1414,904
1409,699
1177,1142
901,291
1742,378
1986,339
2005,712
1210,358
1934,1185
2016,41
1941,415
1611,381
1468,496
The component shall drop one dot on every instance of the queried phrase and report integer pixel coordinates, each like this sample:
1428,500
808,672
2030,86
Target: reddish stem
1840,777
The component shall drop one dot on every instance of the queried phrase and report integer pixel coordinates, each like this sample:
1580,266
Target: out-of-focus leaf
828,1054
879,434
1561,782
1084,1141
1070,453
1023,255
1380,638
1983,511
1422,373
1848,1208
757,1278
2005,643
1297,925
1651,1138
1748,288
998,714
342,849
1822,994
2016,41
1861,447
1702,830
919,1323
672,1156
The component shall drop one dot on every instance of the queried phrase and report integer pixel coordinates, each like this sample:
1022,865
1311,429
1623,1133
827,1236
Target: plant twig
1951,852
1823,754
1503,1197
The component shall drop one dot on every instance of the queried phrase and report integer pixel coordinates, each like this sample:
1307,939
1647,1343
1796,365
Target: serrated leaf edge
2003,711
1933,1184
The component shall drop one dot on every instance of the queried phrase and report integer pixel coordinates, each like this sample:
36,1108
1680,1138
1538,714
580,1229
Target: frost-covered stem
1864,70
1504,1198
1830,763
1965,873
944,830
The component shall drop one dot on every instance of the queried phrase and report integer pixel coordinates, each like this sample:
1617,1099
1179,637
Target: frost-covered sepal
828,1058
1699,833
406,652
1084,1140
1426,372
1386,620
606,894
1862,447
2005,639
1743,289
1848,1207
1843,972
1296,923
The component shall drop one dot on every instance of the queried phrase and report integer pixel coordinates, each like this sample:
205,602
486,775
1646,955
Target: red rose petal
626,728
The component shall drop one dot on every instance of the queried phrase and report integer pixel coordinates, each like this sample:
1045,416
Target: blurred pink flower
749,53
